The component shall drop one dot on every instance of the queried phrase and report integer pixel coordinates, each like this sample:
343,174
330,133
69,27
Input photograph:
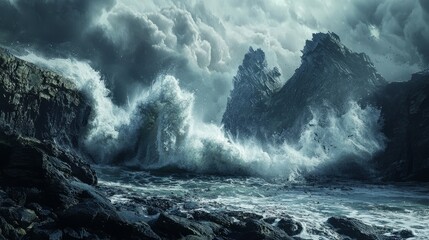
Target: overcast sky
131,42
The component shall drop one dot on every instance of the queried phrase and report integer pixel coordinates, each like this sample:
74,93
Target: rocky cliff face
46,191
38,103
330,75
254,85
405,113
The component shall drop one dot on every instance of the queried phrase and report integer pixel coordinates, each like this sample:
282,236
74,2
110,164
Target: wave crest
158,129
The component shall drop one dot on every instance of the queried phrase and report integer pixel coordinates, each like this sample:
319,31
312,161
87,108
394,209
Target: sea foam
158,129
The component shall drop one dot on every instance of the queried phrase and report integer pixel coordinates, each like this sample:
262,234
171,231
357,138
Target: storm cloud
132,42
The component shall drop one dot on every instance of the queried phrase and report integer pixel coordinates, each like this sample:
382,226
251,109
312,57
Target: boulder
99,215
259,229
216,217
290,226
404,234
174,227
28,162
354,228
7,230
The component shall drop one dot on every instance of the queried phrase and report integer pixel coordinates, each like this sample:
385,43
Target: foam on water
182,141
395,207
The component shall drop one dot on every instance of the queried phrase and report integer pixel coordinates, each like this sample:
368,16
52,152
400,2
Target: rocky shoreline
49,191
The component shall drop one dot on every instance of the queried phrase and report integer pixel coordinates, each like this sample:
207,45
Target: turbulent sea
159,130
394,206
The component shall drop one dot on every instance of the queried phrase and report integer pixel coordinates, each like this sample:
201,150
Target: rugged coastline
49,191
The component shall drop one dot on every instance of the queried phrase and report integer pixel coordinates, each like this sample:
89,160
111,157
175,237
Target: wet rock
145,231
77,233
259,229
405,110
46,231
216,217
158,203
290,226
47,189
354,228
244,215
176,227
7,230
270,220
41,212
39,103
100,215
90,213
195,237
190,205
44,171
26,217
404,234
153,210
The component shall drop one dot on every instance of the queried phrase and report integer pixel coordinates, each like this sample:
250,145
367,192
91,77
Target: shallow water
395,206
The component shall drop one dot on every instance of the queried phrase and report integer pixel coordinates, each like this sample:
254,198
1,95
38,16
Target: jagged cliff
254,85
39,103
330,75
46,189
405,114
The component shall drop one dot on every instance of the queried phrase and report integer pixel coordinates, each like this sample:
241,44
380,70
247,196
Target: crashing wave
158,130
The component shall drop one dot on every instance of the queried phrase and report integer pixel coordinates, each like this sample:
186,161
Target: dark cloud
425,5
48,22
67,28
129,48
132,42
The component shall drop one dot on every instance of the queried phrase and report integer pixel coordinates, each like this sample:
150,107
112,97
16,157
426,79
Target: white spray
184,142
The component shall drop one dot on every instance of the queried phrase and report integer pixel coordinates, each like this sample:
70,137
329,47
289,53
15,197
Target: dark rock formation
290,226
174,227
330,76
254,85
219,218
28,162
47,191
39,103
356,229
258,229
405,113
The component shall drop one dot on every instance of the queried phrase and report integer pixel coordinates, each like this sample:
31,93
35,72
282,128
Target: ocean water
393,206
159,129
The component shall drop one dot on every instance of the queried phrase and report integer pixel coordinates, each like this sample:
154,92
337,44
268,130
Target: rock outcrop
355,228
254,85
48,193
47,190
39,103
330,76
405,114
